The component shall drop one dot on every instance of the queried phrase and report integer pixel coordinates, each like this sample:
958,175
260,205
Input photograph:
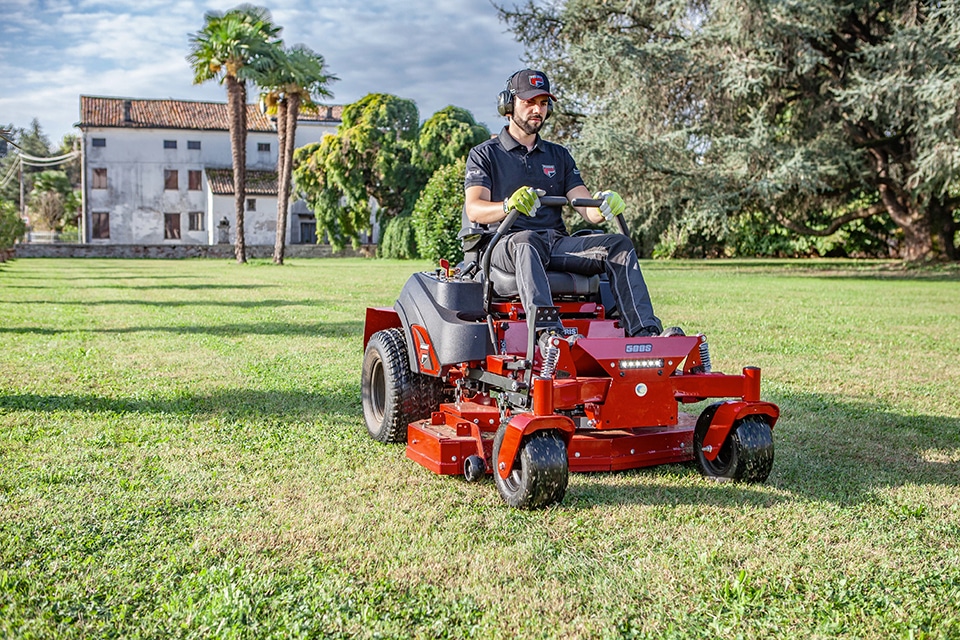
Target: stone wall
174,252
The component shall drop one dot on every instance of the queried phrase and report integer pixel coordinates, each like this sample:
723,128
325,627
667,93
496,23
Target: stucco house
160,172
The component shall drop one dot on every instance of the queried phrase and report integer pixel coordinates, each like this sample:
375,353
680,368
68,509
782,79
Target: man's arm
590,214
480,209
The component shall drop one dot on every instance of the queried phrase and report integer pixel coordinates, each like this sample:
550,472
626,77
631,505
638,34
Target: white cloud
457,53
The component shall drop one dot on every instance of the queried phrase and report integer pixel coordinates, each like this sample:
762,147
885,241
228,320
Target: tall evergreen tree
813,113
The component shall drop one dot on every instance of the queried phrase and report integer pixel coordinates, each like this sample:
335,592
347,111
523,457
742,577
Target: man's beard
529,127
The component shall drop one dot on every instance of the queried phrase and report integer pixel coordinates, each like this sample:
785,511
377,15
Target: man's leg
524,254
614,254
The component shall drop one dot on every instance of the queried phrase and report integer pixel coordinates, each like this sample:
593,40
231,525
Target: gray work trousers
529,254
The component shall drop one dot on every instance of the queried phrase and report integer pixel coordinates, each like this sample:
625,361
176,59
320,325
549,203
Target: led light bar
642,363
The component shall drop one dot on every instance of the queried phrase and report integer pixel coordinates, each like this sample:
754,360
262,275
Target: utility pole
23,204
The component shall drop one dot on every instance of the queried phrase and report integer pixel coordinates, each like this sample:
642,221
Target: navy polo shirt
503,165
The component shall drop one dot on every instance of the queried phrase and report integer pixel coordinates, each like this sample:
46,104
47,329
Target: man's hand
612,206
526,200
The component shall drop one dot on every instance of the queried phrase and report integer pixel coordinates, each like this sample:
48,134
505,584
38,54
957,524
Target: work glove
526,200
612,205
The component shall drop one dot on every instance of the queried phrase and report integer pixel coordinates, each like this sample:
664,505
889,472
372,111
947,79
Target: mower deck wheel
540,474
745,456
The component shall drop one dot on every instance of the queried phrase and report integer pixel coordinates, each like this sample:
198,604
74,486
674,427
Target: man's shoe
647,332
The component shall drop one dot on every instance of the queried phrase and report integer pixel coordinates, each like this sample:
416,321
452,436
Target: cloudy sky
435,52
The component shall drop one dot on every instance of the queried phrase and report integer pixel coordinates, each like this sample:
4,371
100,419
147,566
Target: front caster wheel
539,477
745,456
474,468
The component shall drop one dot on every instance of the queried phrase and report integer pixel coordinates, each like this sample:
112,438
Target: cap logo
549,170
537,81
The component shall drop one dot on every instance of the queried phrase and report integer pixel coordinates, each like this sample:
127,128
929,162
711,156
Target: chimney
126,111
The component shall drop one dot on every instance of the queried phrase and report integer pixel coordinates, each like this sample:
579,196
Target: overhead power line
34,161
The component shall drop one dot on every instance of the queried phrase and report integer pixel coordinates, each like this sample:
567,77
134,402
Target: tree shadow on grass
237,304
236,404
318,329
826,449
112,276
153,287
828,269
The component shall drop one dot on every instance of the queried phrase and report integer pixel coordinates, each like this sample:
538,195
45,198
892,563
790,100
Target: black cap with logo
528,84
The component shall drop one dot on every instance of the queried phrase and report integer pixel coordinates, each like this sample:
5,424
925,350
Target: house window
263,146
99,142
169,144
251,204
170,180
99,179
193,145
101,225
194,180
308,232
171,226
195,221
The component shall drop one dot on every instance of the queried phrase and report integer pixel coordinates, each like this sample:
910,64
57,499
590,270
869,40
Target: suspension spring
704,355
551,355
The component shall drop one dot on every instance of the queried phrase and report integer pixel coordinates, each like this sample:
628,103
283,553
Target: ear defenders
505,100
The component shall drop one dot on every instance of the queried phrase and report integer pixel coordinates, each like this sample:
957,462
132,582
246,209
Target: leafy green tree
437,215
371,156
704,111
32,141
226,49
72,168
380,152
53,200
293,78
447,136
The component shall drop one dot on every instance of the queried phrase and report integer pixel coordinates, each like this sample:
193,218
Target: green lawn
182,454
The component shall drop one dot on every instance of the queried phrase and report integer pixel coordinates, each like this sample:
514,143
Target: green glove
526,200
613,205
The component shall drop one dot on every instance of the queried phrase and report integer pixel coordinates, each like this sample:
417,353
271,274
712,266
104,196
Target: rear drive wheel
539,477
390,391
745,456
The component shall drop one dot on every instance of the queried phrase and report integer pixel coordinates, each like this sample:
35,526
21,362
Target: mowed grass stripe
182,454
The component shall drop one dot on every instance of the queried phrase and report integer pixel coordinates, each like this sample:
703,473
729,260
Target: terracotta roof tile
259,183
180,114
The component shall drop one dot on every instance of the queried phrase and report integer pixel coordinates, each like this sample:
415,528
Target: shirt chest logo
549,170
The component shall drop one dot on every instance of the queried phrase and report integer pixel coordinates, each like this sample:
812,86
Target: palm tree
293,79
224,49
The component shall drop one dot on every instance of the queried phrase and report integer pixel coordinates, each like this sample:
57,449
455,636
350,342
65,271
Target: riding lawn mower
476,385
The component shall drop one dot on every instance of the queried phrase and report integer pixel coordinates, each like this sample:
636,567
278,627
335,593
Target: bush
398,240
12,226
437,216
753,234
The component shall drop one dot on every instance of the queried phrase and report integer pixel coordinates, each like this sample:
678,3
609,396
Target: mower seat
562,284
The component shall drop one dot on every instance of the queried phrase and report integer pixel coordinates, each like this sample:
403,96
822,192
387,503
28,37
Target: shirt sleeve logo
549,170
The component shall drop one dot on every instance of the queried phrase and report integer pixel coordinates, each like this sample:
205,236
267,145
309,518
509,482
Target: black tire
539,479
745,456
393,396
